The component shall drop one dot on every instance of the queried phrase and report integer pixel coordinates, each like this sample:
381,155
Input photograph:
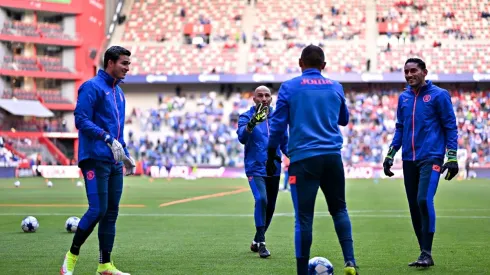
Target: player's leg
96,176
286,178
272,189
430,171
411,180
107,225
304,181
333,188
257,185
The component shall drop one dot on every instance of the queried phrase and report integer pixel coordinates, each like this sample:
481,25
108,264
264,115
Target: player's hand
388,162
451,165
130,166
116,148
270,165
258,117
387,167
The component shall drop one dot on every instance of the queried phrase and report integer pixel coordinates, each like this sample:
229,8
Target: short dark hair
313,56
113,53
420,63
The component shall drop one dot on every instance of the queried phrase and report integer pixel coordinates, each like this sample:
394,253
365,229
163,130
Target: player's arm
123,114
396,142
398,138
344,111
284,143
279,120
242,131
84,112
448,120
277,129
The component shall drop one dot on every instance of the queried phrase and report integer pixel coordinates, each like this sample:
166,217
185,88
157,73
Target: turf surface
210,234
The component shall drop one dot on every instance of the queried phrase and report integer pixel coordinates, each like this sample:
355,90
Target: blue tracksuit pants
421,181
305,177
103,185
264,190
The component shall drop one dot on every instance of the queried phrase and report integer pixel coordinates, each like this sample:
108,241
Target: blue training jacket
100,111
256,144
426,123
314,107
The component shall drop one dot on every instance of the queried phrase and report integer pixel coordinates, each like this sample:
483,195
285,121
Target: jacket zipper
117,110
413,124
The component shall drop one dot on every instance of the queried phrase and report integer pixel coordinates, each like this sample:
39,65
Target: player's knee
96,214
262,201
422,202
337,211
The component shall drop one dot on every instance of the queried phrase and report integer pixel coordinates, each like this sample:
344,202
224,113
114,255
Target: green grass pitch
211,235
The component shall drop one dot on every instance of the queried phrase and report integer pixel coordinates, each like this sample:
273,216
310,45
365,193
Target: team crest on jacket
426,98
436,168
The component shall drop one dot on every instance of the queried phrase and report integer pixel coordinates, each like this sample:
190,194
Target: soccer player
253,132
102,153
426,130
313,106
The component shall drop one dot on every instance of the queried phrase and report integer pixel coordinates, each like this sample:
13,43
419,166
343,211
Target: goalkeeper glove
270,165
258,117
388,162
129,165
451,165
116,148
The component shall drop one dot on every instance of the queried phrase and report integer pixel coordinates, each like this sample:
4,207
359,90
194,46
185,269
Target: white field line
352,213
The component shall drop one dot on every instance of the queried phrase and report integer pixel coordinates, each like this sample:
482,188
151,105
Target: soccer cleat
424,260
351,269
263,252
109,269
254,247
68,264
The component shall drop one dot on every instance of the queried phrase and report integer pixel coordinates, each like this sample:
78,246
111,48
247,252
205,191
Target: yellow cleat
350,269
109,269
68,264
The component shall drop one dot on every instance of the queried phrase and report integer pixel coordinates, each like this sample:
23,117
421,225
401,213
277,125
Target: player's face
120,68
262,96
414,75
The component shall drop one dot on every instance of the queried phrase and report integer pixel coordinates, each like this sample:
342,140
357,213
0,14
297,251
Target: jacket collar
426,87
111,81
311,71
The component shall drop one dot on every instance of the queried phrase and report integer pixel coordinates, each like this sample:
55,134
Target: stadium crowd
207,135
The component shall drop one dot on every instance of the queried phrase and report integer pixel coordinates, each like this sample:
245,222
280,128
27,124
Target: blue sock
343,228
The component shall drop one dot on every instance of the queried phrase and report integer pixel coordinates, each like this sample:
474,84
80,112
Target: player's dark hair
313,56
420,63
113,53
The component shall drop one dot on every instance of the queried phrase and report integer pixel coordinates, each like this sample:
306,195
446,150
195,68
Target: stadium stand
436,19
157,20
200,129
232,36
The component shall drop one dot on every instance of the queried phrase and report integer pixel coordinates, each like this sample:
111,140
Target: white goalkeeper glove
129,165
116,148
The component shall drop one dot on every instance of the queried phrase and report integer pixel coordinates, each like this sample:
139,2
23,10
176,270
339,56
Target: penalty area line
65,205
215,195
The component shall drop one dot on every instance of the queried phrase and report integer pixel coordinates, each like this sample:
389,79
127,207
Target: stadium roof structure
25,108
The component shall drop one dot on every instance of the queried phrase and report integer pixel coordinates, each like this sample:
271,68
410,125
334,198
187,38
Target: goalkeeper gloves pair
451,164
260,115
119,154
